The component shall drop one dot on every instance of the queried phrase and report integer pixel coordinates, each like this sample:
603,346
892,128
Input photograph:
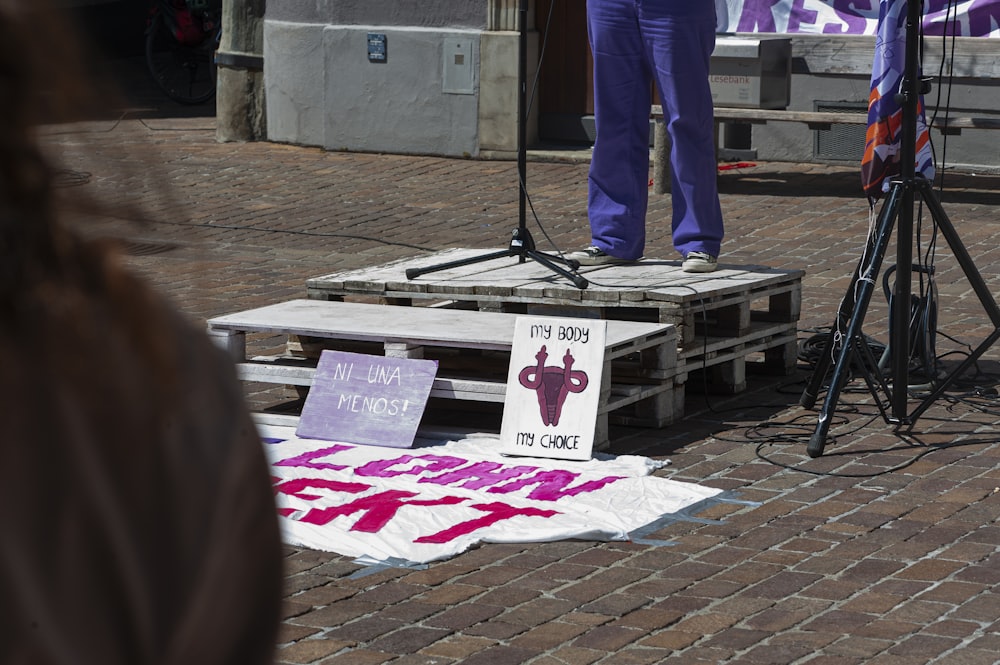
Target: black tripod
521,243
898,205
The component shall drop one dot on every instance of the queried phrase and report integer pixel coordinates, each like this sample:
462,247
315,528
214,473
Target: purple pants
636,43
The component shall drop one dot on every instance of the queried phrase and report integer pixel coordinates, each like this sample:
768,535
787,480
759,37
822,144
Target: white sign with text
553,387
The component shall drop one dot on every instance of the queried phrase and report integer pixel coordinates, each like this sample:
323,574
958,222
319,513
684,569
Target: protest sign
371,400
553,387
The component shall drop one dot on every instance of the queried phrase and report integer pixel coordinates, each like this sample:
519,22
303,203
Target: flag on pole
885,114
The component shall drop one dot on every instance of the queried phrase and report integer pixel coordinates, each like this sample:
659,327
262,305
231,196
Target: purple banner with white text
963,18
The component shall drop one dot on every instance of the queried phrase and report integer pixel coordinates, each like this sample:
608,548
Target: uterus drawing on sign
552,384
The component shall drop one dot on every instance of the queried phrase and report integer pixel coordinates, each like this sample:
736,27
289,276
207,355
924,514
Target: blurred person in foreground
137,521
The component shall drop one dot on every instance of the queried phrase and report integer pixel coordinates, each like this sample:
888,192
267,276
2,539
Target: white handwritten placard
364,399
553,387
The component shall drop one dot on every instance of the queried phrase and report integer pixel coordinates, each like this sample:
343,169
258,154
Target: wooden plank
469,390
815,119
378,278
627,284
337,281
443,387
808,117
276,373
373,323
381,323
955,125
825,119
970,57
709,351
752,283
302,375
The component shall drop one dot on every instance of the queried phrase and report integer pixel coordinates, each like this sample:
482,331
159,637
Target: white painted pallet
412,331
414,325
721,317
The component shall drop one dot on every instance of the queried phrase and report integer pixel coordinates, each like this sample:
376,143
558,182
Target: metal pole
900,344
522,119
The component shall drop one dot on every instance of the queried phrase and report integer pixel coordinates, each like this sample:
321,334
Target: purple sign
369,400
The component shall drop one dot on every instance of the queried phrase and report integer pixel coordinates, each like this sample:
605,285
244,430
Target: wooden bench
444,334
825,119
817,120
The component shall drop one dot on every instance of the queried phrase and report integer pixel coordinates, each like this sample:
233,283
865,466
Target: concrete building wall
321,88
470,14
432,94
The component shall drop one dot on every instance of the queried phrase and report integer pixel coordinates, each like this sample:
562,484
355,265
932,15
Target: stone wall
447,83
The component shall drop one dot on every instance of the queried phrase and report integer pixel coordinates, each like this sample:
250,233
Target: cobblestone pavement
883,551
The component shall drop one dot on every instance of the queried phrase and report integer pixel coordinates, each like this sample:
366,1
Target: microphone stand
521,244
898,206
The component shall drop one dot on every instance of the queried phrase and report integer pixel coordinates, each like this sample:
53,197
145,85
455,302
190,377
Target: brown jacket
137,522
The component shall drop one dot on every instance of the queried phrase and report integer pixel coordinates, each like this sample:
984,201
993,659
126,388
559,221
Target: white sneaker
595,256
699,262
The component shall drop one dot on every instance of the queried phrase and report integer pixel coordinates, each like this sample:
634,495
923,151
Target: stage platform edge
739,318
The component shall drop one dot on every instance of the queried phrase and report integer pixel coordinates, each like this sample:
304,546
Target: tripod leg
841,370
844,315
417,272
975,280
961,253
579,281
865,285
811,392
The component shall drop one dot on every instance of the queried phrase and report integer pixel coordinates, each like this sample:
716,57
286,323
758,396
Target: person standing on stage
636,43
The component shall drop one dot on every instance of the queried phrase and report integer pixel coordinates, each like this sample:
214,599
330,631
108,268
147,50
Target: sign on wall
966,18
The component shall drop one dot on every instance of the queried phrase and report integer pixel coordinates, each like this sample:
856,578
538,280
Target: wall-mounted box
459,74
749,72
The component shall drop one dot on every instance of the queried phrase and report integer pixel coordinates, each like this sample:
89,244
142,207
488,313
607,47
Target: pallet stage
724,319
472,349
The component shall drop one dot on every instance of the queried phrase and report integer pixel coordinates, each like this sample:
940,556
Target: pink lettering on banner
306,459
497,512
378,509
428,463
295,486
553,485
479,475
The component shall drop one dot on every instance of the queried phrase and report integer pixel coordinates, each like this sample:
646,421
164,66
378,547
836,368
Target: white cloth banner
967,18
436,501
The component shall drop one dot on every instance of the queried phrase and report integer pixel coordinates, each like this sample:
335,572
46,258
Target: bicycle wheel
184,72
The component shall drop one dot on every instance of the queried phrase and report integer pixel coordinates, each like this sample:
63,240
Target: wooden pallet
472,348
723,319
